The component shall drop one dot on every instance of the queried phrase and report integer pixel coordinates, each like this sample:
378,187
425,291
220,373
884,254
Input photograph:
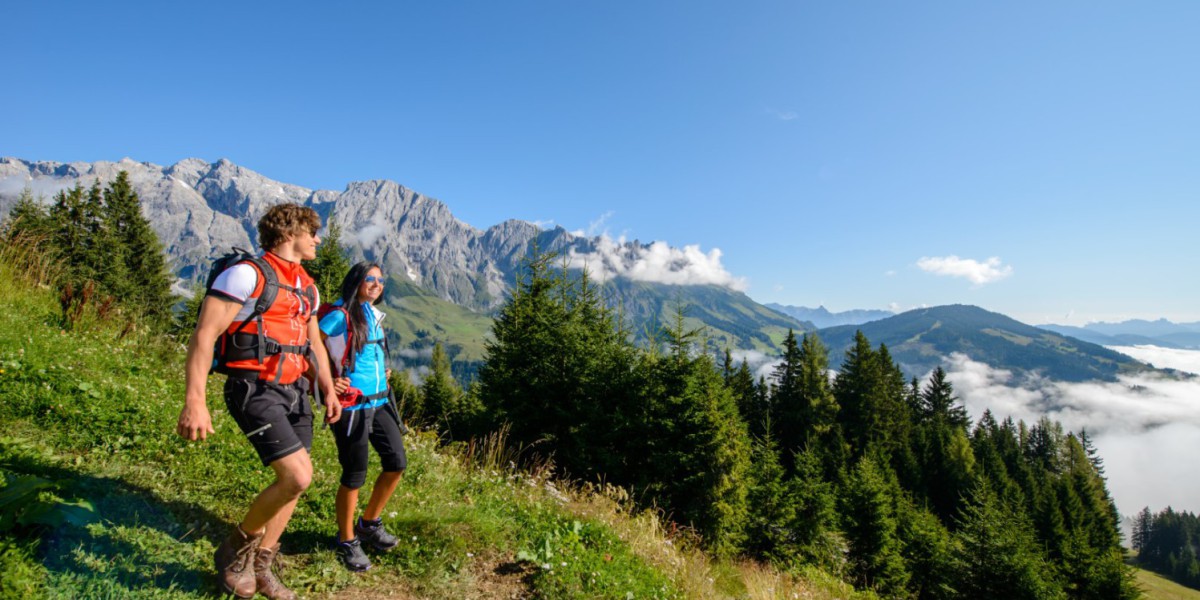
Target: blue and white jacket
370,364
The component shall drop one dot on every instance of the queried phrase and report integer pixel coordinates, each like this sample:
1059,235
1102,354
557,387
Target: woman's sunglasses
374,279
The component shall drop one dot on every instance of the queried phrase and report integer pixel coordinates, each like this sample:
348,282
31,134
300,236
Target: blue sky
835,153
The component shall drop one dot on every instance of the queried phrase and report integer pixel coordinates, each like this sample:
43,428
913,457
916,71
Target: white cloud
543,224
367,236
413,354
597,227
1146,427
43,188
1163,358
658,262
760,364
783,115
978,273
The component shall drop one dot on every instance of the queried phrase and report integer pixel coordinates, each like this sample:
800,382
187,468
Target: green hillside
919,339
1157,587
729,318
417,318
88,434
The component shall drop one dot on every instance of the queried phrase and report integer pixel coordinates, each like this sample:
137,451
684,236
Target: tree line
1168,543
108,254
882,480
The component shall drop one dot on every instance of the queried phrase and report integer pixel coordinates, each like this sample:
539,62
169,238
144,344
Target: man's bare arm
216,314
333,408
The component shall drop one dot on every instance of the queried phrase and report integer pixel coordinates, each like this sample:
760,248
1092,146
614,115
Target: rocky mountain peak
201,209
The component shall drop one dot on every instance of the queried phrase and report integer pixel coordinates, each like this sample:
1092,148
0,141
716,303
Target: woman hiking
357,351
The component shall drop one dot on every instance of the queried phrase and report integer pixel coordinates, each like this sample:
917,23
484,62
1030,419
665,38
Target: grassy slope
414,313
96,413
1157,587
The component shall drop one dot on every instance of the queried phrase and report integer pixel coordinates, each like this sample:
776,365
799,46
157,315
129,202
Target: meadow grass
1157,587
93,410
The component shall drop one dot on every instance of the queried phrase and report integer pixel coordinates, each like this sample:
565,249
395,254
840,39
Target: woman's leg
385,486
389,444
353,453
347,502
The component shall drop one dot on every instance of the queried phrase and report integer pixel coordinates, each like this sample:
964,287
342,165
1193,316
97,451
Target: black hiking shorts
277,419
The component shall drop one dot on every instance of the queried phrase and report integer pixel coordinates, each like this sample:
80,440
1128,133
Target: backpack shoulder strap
270,288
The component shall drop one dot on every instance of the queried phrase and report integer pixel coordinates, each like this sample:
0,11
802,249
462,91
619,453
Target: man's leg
271,511
273,508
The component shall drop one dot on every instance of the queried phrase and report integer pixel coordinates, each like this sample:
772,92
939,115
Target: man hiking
266,351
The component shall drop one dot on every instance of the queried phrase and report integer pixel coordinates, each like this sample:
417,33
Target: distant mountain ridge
201,209
820,316
1135,332
920,339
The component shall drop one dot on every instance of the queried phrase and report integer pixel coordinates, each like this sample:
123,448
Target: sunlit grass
96,410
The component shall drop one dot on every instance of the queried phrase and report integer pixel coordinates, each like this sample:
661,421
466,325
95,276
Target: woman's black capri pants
381,427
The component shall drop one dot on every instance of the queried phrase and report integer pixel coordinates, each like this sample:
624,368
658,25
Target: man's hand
195,423
333,410
216,314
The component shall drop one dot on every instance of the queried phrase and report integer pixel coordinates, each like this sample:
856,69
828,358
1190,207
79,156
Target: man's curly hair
285,220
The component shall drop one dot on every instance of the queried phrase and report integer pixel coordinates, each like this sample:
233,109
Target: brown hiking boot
233,559
268,584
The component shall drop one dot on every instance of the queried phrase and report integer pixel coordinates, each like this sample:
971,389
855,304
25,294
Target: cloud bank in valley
978,273
1145,427
658,262
1187,361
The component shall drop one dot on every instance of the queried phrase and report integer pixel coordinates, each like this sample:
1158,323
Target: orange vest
283,359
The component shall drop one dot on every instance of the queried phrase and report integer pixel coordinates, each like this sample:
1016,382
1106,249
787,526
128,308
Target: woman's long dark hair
354,310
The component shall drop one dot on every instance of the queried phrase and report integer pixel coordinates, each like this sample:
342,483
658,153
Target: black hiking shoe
352,556
373,534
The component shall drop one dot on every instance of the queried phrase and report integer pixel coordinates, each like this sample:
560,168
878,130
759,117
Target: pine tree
939,404
1141,530
409,397
999,559
771,511
929,552
870,528
854,388
145,281
790,416
871,395
83,240
692,452
942,447
745,394
559,371
443,399
28,219
814,503
332,263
